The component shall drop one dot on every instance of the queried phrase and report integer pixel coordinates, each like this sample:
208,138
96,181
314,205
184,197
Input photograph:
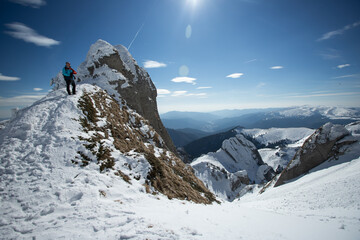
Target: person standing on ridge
69,77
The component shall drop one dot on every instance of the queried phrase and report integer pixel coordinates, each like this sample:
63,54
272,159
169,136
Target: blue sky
202,55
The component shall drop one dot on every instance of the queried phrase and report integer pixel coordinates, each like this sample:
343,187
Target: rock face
234,166
113,68
328,142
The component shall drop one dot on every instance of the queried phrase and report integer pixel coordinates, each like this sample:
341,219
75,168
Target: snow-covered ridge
329,112
229,170
114,70
327,133
92,71
52,131
277,146
274,135
126,66
68,150
97,51
327,143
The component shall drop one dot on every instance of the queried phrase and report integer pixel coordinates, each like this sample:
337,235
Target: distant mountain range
181,137
311,117
205,132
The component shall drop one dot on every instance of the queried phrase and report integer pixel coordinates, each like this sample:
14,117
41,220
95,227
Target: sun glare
192,3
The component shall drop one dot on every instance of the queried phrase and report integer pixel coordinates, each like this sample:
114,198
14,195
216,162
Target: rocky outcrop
229,170
113,69
111,129
328,142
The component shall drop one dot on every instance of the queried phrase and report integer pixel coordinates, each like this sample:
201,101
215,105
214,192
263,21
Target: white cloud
325,95
153,64
196,94
38,89
235,75
31,3
252,60
186,94
343,65
346,76
316,92
163,91
23,32
340,31
203,87
330,54
19,101
260,85
179,93
277,67
184,79
7,78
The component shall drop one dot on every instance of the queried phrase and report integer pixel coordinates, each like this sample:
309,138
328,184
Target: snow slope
87,205
330,193
52,173
44,196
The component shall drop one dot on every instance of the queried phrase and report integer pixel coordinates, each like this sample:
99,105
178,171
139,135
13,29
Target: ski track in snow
44,196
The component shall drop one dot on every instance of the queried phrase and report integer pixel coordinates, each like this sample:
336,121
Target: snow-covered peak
235,142
326,144
271,136
127,58
326,134
299,111
123,61
132,65
114,70
331,132
354,128
99,50
236,164
329,112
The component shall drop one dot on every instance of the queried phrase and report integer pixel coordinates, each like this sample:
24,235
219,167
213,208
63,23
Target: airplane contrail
136,36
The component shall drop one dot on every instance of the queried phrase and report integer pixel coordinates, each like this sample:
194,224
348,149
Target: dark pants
69,81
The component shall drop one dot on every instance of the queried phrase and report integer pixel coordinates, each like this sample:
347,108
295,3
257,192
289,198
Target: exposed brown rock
324,144
168,174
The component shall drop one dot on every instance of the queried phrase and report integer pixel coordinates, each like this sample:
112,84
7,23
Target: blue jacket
67,72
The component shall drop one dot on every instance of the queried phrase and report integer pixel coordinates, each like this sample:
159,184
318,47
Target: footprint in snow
76,197
47,211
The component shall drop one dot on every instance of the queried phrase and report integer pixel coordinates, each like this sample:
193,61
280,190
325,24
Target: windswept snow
329,193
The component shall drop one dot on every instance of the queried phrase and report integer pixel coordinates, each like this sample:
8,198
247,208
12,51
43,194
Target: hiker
69,77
